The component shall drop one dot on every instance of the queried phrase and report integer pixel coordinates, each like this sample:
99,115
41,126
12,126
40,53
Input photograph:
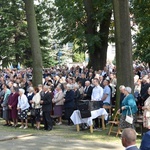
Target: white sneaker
21,127
59,123
25,127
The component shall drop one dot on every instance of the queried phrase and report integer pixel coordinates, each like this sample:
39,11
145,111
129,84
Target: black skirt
23,114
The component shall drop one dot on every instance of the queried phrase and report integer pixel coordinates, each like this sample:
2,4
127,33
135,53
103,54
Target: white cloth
76,117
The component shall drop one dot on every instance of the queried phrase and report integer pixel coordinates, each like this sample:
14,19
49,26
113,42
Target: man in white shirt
96,97
97,92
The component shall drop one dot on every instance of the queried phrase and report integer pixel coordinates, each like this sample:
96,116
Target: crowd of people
61,92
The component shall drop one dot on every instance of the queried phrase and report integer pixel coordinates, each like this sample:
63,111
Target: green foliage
78,57
13,30
141,10
14,40
71,22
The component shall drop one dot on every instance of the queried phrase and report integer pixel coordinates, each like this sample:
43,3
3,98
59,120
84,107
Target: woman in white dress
23,107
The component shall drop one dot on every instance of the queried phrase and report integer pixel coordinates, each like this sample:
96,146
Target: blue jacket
145,144
129,102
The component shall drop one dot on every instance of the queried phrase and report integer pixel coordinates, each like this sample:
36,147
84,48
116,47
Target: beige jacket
59,98
36,99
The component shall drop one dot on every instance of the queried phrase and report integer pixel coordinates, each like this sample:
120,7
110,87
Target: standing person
83,79
87,91
40,87
46,103
106,94
5,105
35,102
144,87
96,97
69,103
12,104
58,100
23,107
77,96
122,95
128,104
146,113
128,139
97,93
30,95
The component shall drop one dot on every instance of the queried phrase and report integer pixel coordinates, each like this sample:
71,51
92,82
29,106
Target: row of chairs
114,124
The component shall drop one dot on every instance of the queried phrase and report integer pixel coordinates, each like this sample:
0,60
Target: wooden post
91,129
103,122
78,128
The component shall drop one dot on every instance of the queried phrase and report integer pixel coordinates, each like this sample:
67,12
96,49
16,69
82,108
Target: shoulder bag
129,119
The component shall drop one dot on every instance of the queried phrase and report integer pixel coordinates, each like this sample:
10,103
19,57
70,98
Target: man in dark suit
47,107
128,138
87,91
145,143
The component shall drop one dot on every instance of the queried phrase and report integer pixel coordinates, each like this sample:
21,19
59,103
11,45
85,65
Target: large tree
13,29
86,23
141,11
34,41
14,39
124,62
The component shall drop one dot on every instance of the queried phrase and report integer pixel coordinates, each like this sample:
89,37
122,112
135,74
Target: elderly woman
22,108
146,113
58,100
30,94
12,104
36,105
5,105
69,102
128,104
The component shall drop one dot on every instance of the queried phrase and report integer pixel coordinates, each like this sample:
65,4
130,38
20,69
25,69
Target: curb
16,137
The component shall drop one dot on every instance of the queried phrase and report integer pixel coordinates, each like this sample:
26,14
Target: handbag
33,112
85,113
83,107
129,119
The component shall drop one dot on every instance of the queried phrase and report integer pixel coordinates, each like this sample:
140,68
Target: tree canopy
141,11
85,23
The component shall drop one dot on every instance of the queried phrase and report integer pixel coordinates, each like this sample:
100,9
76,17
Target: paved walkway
18,141
58,139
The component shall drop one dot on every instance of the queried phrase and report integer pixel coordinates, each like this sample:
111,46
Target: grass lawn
67,132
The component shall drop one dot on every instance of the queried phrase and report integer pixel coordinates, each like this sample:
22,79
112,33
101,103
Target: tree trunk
97,52
124,61
34,41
